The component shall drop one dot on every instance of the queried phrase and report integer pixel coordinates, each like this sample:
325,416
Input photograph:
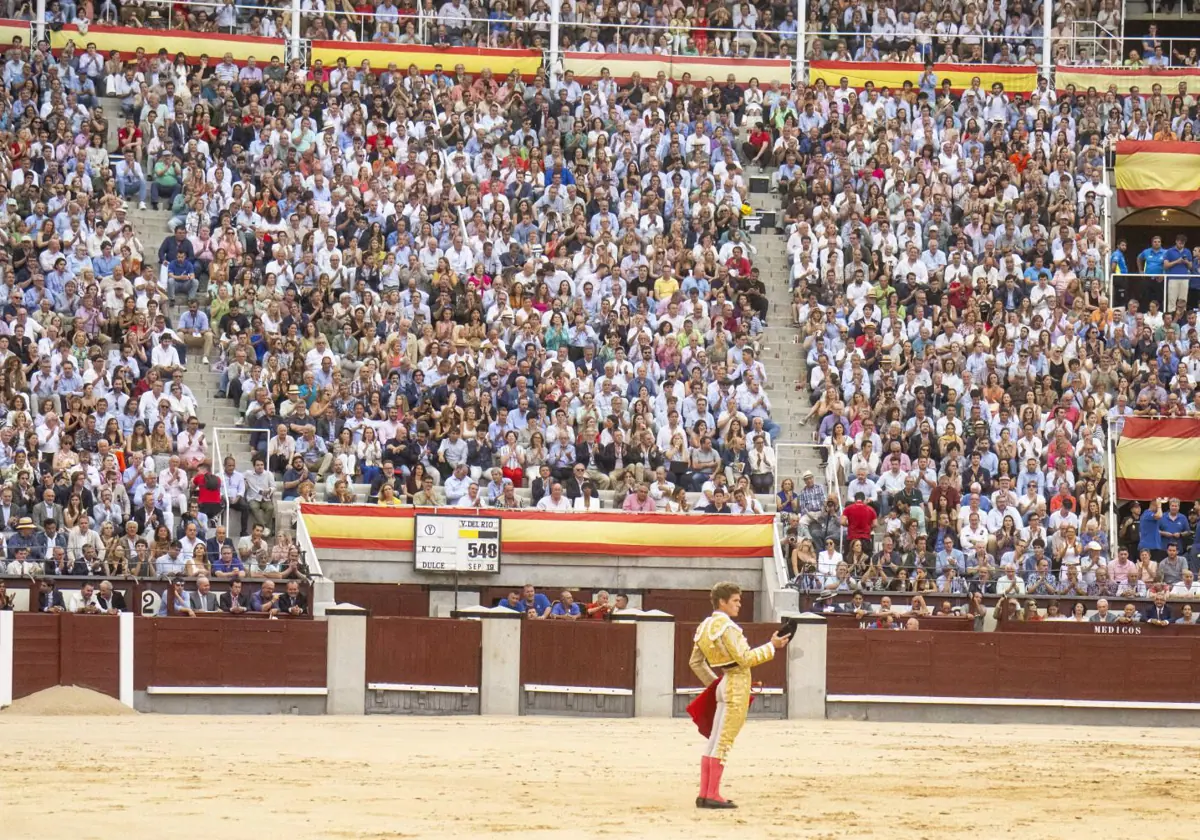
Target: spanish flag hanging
1159,457
1157,173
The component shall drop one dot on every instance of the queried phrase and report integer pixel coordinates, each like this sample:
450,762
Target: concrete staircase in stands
781,355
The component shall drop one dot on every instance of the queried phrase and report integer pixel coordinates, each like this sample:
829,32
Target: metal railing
1103,42
1167,289
1170,53
1107,220
168,16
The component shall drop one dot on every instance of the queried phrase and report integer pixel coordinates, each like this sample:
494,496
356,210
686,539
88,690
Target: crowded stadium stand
878,288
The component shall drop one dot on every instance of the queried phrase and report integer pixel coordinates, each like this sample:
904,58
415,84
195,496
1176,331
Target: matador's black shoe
715,803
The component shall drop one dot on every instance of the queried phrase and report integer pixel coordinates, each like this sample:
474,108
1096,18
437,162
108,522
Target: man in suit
540,486
293,602
50,599
214,544
578,484
614,460
148,517
8,513
1159,613
388,476
109,601
235,601
1102,615
203,600
855,606
590,454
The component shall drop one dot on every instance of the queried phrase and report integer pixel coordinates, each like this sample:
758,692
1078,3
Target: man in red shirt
859,518
208,490
757,149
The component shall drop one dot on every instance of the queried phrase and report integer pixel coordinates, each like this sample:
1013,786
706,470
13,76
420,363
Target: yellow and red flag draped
1159,457
370,528
1016,78
1157,173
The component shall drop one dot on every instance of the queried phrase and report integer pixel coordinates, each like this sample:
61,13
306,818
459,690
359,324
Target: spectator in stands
1129,615
235,601
565,607
1187,587
555,501
533,603
1102,615
859,518
639,501
601,608
292,602
266,599
203,599
1159,612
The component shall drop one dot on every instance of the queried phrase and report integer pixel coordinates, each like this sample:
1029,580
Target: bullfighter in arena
722,659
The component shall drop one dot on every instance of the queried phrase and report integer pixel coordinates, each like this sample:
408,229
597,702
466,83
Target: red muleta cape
704,708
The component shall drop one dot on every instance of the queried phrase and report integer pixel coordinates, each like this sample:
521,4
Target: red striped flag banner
1159,457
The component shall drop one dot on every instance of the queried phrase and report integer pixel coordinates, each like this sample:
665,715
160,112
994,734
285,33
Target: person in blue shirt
1151,260
1150,538
1118,257
228,564
534,604
1178,260
1173,526
1035,271
565,608
181,277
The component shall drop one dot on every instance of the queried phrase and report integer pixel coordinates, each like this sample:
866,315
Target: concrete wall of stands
608,570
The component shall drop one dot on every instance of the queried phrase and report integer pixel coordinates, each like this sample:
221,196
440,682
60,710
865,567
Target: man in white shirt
457,484
165,358
83,601
1009,583
555,501
1188,587
312,359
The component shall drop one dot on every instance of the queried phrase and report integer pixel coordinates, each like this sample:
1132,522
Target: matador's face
733,606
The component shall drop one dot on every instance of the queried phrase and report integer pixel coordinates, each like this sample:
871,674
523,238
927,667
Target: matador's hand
780,641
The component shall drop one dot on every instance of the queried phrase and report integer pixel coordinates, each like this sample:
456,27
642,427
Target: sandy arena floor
156,777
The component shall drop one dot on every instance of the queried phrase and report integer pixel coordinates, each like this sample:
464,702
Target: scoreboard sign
452,543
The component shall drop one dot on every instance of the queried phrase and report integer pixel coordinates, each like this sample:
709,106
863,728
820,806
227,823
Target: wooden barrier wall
771,675
229,652
90,646
1112,667
36,652
591,654
845,621
423,651
1089,628
50,650
689,604
385,599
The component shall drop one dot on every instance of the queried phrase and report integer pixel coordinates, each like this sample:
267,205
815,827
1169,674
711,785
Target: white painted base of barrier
1009,701
431,689
771,691
235,691
6,658
578,689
